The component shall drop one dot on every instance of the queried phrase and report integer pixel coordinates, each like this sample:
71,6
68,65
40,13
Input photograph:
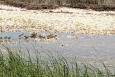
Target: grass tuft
15,65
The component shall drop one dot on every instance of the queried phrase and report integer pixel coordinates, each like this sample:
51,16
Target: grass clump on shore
15,65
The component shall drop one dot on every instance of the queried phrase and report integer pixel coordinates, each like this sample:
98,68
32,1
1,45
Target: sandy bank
61,19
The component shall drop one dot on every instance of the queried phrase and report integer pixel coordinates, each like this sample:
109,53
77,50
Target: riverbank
61,19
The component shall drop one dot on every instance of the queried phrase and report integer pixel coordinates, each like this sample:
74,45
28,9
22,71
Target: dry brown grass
50,4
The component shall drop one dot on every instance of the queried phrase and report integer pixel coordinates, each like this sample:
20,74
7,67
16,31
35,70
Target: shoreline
62,19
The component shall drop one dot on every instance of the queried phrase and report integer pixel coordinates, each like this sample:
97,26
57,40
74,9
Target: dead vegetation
99,5
62,19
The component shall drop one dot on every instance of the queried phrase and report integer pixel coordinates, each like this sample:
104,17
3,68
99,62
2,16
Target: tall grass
46,4
13,64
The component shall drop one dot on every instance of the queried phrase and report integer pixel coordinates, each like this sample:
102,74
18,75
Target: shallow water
89,49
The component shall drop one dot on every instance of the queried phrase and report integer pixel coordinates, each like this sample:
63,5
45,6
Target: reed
13,64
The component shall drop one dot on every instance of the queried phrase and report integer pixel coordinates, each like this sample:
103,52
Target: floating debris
9,37
41,37
21,35
5,37
26,37
51,36
1,38
33,35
